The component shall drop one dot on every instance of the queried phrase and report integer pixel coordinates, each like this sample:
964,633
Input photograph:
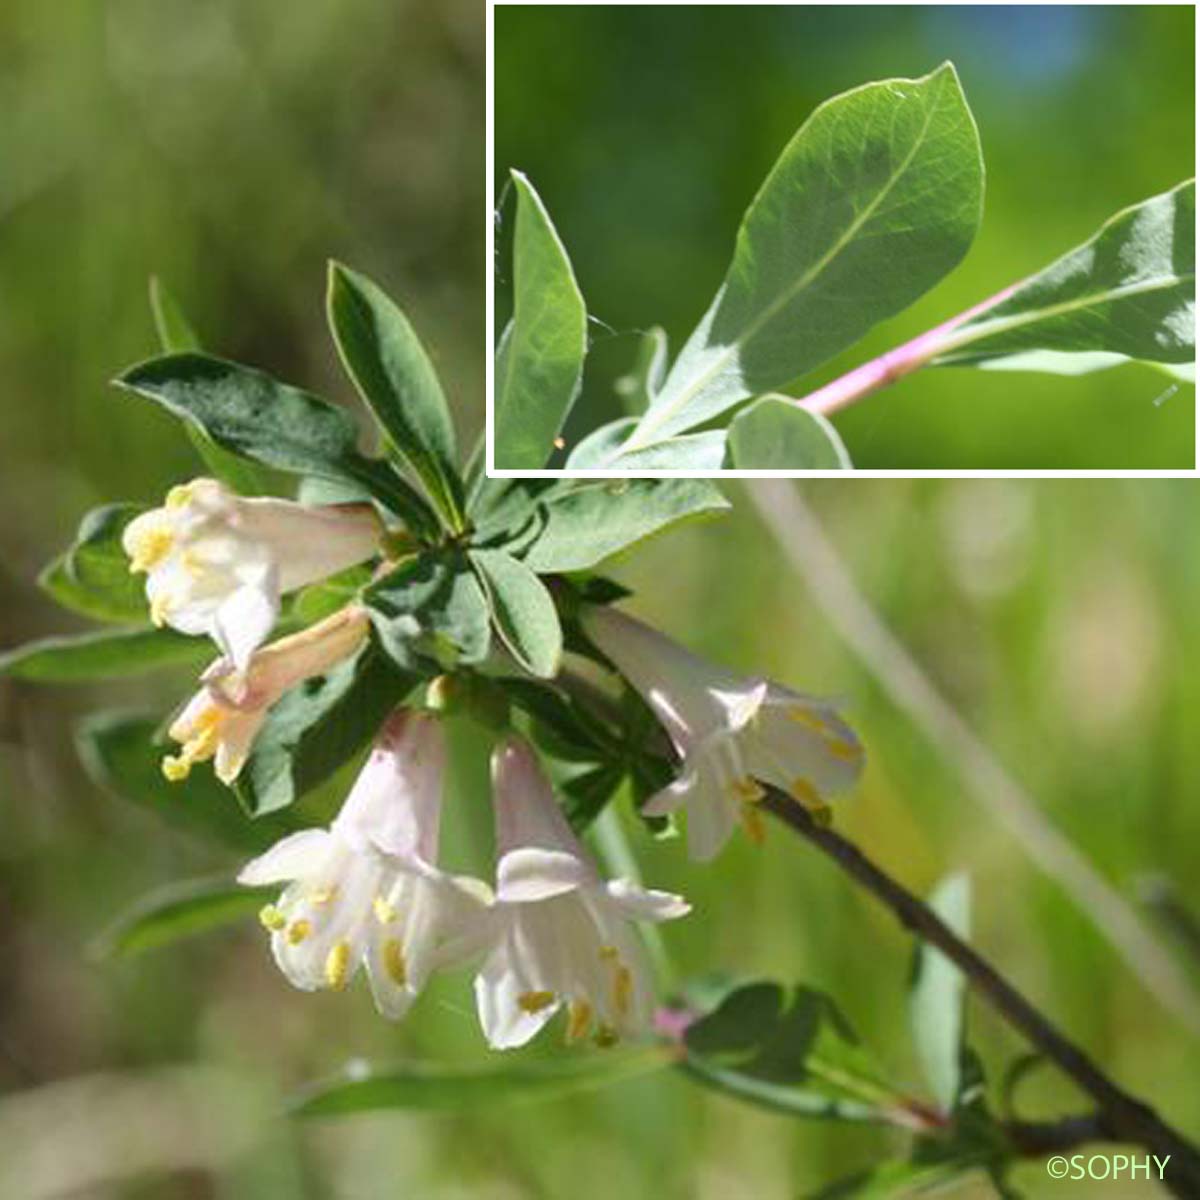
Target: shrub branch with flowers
395,590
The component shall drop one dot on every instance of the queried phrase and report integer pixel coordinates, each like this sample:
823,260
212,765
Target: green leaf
248,413
98,563
541,363
599,447
587,794
638,389
103,654
598,519
522,609
936,1005
417,1086
789,1051
776,434
120,753
687,452
179,911
873,201
1130,290
316,728
560,725
430,614
176,335
383,355
325,597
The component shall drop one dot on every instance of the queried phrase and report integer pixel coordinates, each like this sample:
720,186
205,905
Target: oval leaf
522,609
104,654
539,370
776,434
383,355
877,196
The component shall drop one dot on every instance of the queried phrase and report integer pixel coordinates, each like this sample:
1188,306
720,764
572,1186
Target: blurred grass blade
177,335
103,654
433,1087
775,433
1130,290
596,520
180,910
877,196
938,997
541,361
247,412
383,355
522,610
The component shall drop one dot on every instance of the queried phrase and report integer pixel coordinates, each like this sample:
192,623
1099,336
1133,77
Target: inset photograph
796,238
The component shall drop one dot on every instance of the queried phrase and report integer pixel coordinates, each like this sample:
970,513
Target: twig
800,537
1124,1117
893,365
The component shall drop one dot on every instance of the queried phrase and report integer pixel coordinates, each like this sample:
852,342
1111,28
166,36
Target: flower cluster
549,933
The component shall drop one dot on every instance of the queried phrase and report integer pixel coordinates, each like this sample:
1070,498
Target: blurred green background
648,129
232,152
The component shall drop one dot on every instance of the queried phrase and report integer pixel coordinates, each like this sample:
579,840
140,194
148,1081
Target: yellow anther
605,1037
272,918
622,990
193,564
385,913
608,953
323,895
393,962
840,748
579,1019
178,496
160,606
533,1002
747,790
337,966
150,548
752,823
298,931
176,768
808,718
804,792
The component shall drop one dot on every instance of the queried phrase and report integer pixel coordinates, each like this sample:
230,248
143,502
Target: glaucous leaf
316,728
103,654
595,520
176,335
936,1004
248,413
383,355
776,434
430,613
539,371
1129,290
121,754
875,199
522,609
179,911
325,597
788,1050
513,1081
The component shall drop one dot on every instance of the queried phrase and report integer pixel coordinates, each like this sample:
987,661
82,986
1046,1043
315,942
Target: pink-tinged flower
217,563
366,892
222,719
730,732
559,934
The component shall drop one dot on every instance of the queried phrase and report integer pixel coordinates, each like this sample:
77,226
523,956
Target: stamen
178,496
272,918
385,913
337,966
804,792
160,606
839,748
605,1037
747,790
608,953
533,1002
176,768
752,823
622,990
298,931
150,548
393,962
324,895
808,718
579,1018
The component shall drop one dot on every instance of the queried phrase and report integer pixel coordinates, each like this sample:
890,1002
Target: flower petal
642,904
293,857
527,814
245,619
530,873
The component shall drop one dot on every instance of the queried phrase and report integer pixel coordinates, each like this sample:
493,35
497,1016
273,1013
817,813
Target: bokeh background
647,130
232,152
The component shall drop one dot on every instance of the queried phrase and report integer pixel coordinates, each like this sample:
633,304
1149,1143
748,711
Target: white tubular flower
223,718
729,731
365,892
217,563
559,933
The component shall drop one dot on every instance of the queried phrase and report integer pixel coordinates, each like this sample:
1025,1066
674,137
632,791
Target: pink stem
893,365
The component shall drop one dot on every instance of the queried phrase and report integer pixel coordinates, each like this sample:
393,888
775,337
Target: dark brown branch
1125,1117
1034,1139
